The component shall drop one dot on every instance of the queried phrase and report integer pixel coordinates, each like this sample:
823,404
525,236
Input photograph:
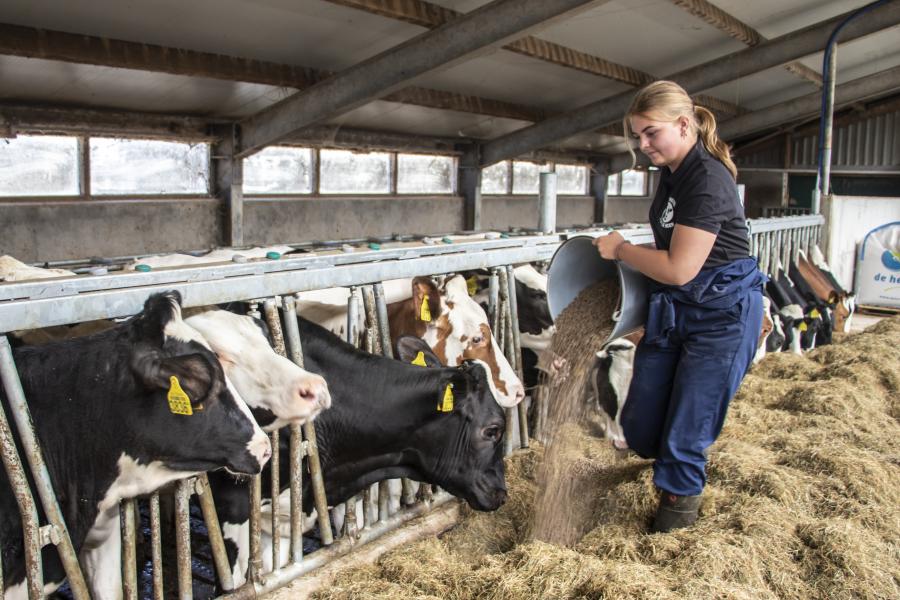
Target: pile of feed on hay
802,502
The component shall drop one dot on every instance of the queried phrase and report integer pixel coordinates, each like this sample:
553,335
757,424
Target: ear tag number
419,359
179,403
425,311
446,403
472,285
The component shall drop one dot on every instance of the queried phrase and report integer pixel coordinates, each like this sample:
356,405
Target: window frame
618,187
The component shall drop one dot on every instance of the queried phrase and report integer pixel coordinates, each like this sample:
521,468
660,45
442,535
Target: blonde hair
667,101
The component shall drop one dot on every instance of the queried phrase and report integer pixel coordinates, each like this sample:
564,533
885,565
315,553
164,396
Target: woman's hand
608,245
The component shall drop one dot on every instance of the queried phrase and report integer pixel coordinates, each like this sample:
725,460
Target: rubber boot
675,512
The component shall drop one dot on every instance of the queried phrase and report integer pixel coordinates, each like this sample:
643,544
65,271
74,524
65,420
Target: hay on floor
803,501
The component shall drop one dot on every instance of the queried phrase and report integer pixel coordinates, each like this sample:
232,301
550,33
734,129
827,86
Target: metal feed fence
273,285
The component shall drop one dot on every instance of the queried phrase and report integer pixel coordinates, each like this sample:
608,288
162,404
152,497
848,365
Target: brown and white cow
453,324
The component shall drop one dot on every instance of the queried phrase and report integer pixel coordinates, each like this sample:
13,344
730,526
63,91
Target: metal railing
273,284
779,240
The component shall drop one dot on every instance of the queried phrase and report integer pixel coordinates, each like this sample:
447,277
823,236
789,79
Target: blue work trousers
686,373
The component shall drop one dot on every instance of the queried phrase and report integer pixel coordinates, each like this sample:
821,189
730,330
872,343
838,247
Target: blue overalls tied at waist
713,288
700,340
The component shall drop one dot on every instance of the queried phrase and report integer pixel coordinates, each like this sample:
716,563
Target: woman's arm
678,265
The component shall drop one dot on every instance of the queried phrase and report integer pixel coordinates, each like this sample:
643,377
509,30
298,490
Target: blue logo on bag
891,260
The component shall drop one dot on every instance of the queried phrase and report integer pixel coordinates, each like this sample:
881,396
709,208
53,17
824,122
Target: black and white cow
385,423
277,391
108,430
610,379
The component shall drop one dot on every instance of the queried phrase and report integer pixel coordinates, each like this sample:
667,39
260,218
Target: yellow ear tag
179,403
446,404
425,311
815,314
419,359
472,285
803,326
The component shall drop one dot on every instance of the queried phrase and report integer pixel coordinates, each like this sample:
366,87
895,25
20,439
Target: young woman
705,311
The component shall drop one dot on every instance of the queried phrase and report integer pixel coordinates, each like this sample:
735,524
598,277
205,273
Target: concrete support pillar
229,179
599,175
469,177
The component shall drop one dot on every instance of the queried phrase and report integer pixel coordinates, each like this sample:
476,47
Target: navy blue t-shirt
701,193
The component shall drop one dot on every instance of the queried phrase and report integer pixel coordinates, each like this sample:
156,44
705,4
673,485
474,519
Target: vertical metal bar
216,540
825,168
353,316
156,547
383,500
387,349
183,489
493,299
15,470
270,308
515,347
384,327
22,416
275,491
129,549
351,526
255,566
312,448
373,333
504,321
297,451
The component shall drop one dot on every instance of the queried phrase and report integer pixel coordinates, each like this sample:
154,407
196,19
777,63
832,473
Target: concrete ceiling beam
740,31
478,31
766,55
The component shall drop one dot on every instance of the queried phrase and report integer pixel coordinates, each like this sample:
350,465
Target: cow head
277,390
191,414
775,341
535,323
457,330
610,379
467,440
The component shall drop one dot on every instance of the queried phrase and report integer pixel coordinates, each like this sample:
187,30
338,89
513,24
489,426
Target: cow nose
310,389
520,394
500,497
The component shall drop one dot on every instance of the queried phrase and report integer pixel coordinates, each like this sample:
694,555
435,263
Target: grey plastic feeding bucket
577,265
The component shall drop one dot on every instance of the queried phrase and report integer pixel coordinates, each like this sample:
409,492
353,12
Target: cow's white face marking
239,534
264,378
469,325
621,370
20,592
761,348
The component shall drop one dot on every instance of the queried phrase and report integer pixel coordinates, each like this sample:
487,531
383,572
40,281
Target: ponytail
706,131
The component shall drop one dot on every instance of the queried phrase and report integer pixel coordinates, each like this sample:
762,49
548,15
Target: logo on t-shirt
667,218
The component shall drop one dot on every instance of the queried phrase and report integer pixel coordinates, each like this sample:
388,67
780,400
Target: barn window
627,183
131,167
346,172
424,174
571,179
527,177
39,165
495,178
279,170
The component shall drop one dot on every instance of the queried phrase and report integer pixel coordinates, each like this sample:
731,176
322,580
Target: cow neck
378,404
82,467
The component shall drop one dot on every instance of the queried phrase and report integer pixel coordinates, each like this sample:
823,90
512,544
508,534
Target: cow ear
426,299
409,347
195,372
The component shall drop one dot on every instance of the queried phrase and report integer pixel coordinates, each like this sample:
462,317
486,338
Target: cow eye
477,340
493,433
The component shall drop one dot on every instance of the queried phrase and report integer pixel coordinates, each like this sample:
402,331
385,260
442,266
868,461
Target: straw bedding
803,501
